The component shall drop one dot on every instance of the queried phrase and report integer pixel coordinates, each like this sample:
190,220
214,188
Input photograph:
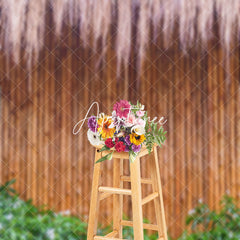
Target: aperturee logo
127,129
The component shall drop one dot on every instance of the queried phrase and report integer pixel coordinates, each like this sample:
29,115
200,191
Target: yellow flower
104,129
137,139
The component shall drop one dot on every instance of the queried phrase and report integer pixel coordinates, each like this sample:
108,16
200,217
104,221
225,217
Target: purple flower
117,121
92,124
127,140
136,148
126,148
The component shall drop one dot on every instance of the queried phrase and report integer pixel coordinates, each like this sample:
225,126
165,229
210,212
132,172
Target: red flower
120,147
109,143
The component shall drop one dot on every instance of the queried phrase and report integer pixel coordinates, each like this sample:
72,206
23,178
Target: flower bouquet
127,129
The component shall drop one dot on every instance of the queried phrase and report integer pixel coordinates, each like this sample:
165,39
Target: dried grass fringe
23,23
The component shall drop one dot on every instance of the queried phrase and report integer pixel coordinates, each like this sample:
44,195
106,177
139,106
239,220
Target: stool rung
149,198
115,190
105,238
104,195
148,226
112,234
143,180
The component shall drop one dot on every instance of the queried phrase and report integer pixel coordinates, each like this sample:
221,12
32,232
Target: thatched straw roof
23,22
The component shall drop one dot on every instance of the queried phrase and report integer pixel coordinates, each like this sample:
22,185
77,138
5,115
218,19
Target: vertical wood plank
12,139
221,116
2,121
52,134
171,147
178,132
87,75
67,106
199,123
17,127
58,126
233,89
74,146
45,78
4,117
205,128
80,136
237,121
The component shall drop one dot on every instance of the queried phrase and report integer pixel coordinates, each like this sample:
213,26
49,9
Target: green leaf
155,128
104,148
132,156
7,184
6,187
146,126
106,157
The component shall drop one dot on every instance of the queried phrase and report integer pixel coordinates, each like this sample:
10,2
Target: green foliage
20,220
136,107
154,134
213,225
104,148
106,157
132,155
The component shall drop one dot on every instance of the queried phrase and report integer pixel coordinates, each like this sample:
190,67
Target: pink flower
141,122
131,120
122,108
140,113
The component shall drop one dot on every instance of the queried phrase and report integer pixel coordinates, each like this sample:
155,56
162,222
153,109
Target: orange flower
104,129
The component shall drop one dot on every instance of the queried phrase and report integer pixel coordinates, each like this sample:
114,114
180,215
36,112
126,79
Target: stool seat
100,193
123,155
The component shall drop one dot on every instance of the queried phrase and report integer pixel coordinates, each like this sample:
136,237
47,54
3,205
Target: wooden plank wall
200,160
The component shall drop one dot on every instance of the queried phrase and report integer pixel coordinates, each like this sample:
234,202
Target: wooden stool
100,192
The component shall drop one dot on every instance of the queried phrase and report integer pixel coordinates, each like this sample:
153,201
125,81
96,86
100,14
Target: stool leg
94,204
136,199
158,202
117,199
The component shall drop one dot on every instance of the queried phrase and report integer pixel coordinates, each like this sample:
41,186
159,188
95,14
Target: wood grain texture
200,159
